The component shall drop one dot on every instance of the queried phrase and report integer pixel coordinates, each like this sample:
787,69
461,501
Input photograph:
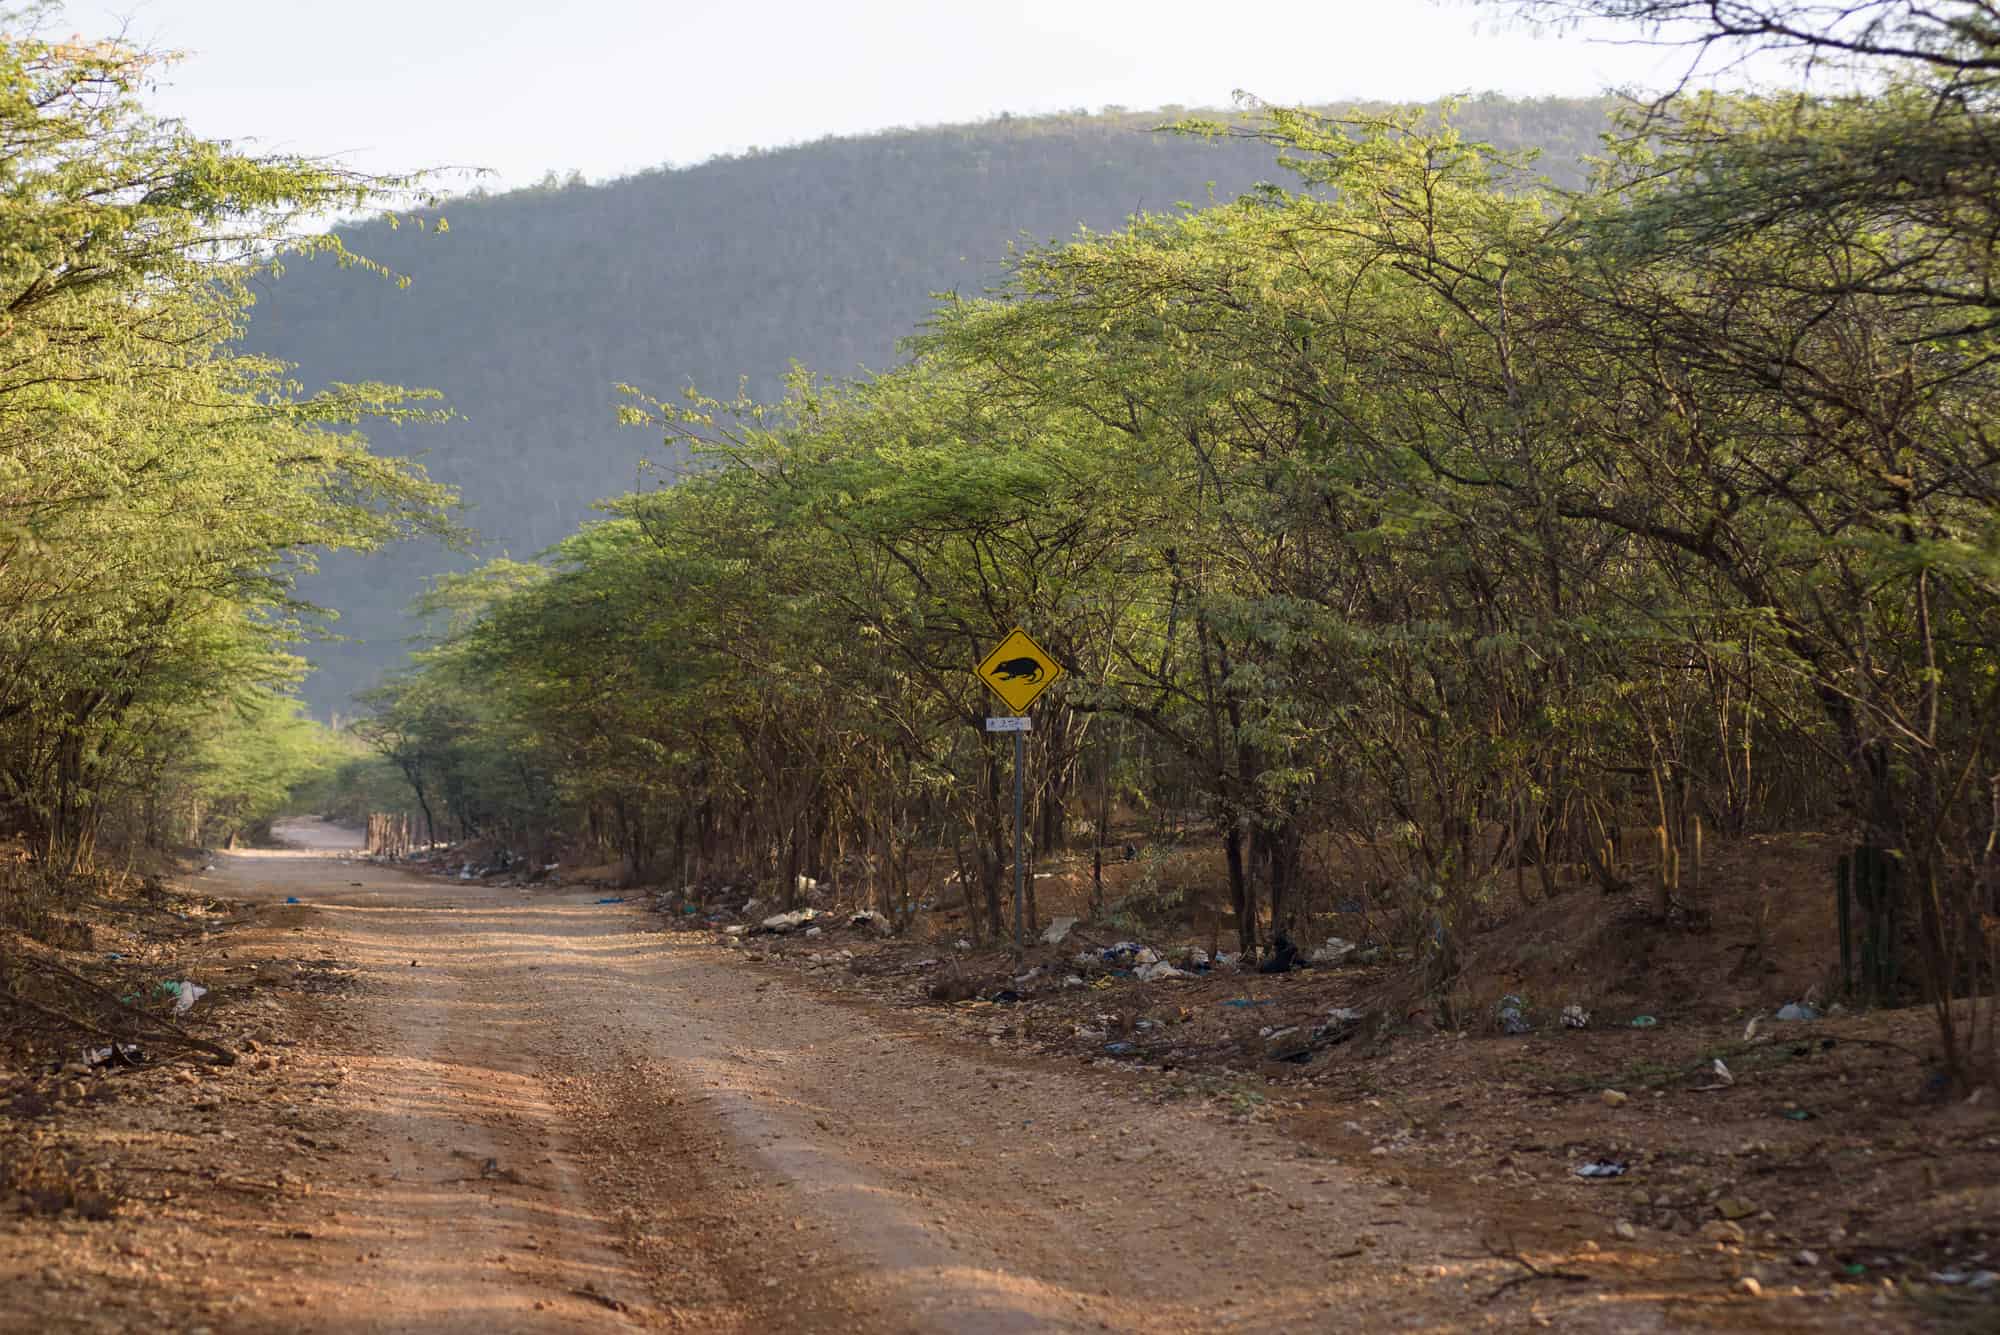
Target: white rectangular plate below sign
1021,723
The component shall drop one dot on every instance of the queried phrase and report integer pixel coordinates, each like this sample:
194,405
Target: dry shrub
1169,886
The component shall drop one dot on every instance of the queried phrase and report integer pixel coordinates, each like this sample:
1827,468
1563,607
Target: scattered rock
1806,1257
1624,1232
1723,1230
1613,1098
1748,1284
1734,1207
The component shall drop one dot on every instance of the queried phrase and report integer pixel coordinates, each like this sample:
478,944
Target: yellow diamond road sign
1019,670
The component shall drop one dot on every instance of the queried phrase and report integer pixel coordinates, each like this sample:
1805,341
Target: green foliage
247,764
1423,508
160,493
827,253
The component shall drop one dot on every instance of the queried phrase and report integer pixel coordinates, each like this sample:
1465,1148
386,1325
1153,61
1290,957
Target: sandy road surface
558,1117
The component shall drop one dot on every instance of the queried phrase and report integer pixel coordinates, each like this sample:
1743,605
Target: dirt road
541,1112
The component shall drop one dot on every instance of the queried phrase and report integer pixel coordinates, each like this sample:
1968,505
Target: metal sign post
1018,671
1020,726
1020,752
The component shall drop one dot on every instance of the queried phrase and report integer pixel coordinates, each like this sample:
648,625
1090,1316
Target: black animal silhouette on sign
1016,669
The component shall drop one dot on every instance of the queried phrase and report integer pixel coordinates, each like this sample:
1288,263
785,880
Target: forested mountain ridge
538,302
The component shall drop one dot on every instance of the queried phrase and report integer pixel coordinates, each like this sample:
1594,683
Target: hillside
537,302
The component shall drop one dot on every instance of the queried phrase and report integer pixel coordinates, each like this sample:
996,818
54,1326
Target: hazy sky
614,86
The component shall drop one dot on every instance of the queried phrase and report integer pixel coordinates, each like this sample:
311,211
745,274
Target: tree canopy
160,492
1420,505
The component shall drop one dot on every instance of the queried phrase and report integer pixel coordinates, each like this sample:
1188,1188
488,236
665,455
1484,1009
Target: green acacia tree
158,491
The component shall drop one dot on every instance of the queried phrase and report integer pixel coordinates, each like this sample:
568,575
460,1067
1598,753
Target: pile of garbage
806,922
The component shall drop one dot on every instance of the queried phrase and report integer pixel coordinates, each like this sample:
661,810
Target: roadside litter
612,899
1284,956
1335,951
1294,1043
1511,1016
185,995
1058,929
1723,1078
785,922
1643,1022
869,918
1793,1010
1575,1017
120,1054
1601,1168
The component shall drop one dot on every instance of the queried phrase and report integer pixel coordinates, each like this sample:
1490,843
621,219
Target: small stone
1722,1230
1748,1284
1624,1231
73,1091
1612,1098
1734,1207
1807,1257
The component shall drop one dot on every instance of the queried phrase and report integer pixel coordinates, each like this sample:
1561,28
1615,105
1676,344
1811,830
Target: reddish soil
481,1106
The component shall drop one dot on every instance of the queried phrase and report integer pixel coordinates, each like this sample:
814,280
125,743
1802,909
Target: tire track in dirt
707,1149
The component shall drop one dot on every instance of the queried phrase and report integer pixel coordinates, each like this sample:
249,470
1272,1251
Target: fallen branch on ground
151,1028
1535,1272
